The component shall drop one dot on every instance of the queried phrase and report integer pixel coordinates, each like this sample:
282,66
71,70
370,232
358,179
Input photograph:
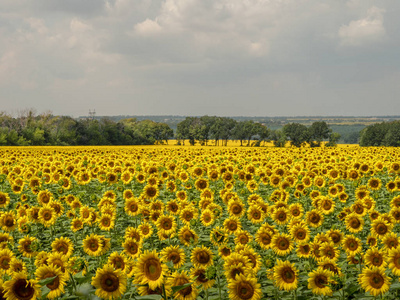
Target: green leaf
47,280
180,287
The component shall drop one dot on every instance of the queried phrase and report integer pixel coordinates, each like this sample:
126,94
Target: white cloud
148,27
364,31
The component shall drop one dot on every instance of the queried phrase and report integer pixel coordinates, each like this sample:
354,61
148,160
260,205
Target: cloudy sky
197,57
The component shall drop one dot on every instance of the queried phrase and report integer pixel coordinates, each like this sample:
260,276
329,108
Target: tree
297,134
373,135
319,131
278,137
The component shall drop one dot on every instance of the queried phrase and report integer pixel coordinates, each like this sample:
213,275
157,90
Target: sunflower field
181,223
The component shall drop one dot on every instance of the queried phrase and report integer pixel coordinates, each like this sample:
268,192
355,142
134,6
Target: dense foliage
46,129
381,134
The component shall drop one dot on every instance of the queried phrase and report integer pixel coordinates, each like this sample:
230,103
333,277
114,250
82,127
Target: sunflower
63,245
352,245
354,223
236,208
243,287
285,275
235,268
134,233
59,260
173,207
282,244
281,216
166,224
179,279
4,199
207,217
375,257
175,254
131,247
106,222
28,246
319,281
146,229
57,285
243,237
132,206
150,270
380,227
296,210
17,266
264,238
329,251
300,233
218,236
331,265
314,218
92,245
394,260
374,280
76,224
202,257
44,197
390,241
232,225
255,214
6,256
8,221
47,215
118,261
20,287
150,192
109,283
336,236
187,214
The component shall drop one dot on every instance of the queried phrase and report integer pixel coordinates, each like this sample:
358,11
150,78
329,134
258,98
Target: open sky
198,57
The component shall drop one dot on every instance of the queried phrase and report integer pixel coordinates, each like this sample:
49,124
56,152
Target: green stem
73,282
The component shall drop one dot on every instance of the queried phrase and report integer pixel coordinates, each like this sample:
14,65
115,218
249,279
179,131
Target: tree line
216,130
29,129
381,134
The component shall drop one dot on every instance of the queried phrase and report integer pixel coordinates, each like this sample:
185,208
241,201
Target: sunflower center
377,261
381,229
232,226
288,275
175,258
321,281
236,209
300,234
55,283
355,223
9,222
376,281
47,216
152,268
109,282
283,244
23,289
203,257
245,290
352,245
315,218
